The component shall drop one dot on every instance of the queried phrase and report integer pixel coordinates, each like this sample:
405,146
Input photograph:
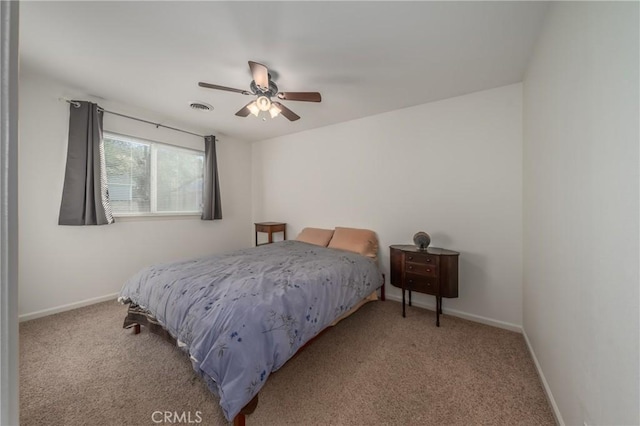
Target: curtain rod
77,105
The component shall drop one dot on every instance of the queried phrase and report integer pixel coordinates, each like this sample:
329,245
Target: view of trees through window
180,179
148,177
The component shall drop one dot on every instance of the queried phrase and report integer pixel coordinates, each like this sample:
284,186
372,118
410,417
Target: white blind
147,177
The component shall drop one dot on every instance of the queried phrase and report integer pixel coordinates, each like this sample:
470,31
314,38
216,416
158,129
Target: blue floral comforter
242,315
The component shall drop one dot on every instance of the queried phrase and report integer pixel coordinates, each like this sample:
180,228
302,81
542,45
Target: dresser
432,271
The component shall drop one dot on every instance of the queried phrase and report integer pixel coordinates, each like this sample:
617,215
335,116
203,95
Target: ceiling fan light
263,103
253,108
274,111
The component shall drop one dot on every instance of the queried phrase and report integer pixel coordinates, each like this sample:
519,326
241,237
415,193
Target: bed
240,316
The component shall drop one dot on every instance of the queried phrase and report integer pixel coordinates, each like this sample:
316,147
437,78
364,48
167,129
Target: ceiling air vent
200,106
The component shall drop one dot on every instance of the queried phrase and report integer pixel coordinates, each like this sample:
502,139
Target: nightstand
432,271
269,228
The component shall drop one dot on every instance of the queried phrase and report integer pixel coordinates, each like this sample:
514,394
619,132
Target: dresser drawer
426,259
420,284
260,227
428,270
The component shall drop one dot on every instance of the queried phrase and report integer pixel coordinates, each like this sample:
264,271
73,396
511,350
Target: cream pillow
361,241
317,236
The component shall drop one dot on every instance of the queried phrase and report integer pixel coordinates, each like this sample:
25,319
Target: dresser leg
438,301
403,313
409,297
440,305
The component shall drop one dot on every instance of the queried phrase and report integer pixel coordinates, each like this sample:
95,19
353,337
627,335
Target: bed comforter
242,315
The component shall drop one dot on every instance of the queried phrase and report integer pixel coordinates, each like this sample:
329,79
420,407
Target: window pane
128,175
180,178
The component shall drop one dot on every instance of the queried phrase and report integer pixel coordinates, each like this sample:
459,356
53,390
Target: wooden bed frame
137,317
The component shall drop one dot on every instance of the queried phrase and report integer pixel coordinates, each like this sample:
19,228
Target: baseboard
545,385
463,315
68,307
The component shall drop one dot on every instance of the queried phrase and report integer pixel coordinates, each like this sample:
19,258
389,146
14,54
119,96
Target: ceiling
364,58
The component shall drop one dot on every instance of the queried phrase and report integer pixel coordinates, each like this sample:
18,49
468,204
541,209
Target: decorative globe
422,240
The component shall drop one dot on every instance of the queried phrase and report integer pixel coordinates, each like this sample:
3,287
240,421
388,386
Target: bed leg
247,409
238,420
382,296
136,329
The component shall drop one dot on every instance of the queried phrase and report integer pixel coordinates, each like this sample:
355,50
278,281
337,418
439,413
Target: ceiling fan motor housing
273,89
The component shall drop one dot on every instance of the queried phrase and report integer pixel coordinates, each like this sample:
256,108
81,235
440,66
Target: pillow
361,241
317,236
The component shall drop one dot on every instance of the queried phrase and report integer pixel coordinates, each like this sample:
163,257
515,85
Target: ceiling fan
265,89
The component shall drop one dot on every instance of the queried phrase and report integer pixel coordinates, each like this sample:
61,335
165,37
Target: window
152,178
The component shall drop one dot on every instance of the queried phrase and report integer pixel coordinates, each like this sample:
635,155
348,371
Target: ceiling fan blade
260,75
244,112
300,96
228,89
292,116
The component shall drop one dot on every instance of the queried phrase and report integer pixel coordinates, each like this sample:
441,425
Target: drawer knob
428,270
410,257
410,267
410,281
428,260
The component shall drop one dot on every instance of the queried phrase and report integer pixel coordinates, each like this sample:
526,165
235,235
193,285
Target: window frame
153,174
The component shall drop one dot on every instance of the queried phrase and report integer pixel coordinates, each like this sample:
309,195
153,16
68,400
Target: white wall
581,210
452,168
61,265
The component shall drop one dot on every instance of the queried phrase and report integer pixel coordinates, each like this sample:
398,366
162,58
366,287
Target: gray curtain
211,209
85,196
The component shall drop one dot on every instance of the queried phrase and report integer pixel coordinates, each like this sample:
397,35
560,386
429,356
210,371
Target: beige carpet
81,368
